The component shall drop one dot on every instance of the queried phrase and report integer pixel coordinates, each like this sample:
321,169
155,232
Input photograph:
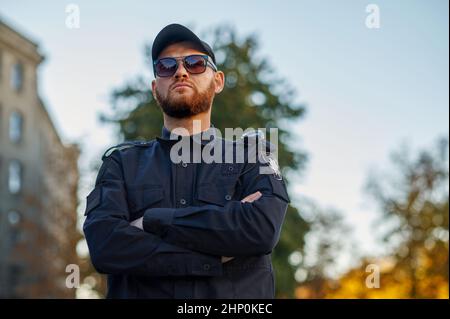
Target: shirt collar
208,135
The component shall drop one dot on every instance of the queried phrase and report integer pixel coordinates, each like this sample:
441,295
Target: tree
414,203
417,205
253,97
329,238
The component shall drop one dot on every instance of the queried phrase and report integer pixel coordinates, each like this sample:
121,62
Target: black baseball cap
174,33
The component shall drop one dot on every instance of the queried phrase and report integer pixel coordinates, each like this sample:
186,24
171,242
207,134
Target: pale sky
366,90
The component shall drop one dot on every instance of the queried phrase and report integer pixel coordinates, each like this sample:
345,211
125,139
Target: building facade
38,181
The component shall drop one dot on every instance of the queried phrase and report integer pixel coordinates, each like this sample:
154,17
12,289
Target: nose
181,72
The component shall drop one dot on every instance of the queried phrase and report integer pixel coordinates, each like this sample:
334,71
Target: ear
219,79
154,88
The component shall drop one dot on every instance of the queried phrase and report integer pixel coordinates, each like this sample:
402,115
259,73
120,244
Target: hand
226,259
139,223
252,197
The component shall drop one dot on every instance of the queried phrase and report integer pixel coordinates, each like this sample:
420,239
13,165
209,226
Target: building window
13,218
15,127
17,77
1,65
14,274
15,177
1,119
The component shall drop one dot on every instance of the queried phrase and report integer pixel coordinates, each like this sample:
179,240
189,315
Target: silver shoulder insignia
273,167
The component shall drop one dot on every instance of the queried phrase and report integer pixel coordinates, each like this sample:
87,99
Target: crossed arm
117,247
248,199
237,228
180,241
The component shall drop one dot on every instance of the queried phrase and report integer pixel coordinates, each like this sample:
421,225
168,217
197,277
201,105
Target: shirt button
206,266
184,164
228,197
182,201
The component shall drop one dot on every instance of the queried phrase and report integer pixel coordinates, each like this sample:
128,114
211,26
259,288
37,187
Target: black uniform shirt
192,215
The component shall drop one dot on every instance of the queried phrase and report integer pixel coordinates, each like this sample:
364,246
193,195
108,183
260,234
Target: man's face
194,98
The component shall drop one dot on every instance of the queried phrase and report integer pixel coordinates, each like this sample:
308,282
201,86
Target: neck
188,126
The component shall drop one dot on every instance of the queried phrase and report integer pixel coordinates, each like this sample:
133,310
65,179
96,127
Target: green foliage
415,203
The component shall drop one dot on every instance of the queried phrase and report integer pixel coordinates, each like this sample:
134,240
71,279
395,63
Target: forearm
237,229
116,247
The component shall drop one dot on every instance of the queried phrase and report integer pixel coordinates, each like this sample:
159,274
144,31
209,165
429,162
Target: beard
186,105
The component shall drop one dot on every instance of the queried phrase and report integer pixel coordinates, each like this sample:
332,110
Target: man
162,228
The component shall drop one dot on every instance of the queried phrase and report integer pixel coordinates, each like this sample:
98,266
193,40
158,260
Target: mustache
181,82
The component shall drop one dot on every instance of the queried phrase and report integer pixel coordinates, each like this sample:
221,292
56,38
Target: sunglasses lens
166,67
195,64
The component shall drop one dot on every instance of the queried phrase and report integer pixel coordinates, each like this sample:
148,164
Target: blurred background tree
253,97
414,203
329,238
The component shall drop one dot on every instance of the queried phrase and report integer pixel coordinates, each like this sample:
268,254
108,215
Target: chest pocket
141,197
216,194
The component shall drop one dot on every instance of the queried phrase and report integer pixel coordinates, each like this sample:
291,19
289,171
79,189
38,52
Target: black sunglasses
194,64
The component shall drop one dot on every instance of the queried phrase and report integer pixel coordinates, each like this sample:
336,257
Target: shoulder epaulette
125,145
